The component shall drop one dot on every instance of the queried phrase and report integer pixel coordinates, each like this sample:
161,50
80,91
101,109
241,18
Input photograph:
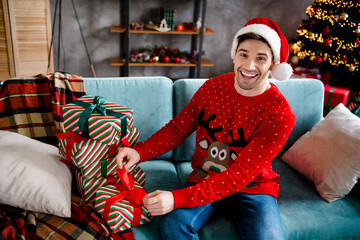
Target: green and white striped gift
88,186
121,214
88,151
96,118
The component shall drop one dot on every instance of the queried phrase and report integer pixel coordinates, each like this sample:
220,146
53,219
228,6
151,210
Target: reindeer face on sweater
219,153
218,156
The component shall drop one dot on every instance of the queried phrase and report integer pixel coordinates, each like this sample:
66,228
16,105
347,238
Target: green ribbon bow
97,105
327,107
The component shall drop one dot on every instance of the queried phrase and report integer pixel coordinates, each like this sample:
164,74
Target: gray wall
225,17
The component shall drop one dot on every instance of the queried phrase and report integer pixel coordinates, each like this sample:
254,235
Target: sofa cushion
32,177
305,215
329,154
138,93
308,112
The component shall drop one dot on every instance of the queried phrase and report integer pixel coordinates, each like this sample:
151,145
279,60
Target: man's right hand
127,157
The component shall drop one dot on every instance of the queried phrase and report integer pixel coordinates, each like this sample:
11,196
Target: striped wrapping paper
89,151
106,129
88,186
121,213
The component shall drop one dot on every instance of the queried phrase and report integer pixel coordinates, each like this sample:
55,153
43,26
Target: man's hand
159,202
127,157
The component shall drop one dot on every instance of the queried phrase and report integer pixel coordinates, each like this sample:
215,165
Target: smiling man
242,122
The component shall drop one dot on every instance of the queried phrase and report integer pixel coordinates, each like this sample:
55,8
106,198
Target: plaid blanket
85,223
32,107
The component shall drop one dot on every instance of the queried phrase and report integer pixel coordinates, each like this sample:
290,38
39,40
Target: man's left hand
159,202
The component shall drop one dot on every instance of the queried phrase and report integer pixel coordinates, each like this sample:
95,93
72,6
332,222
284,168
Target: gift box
354,105
334,96
97,118
121,204
82,151
88,186
311,73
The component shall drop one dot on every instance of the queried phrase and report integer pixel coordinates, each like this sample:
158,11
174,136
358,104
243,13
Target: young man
242,121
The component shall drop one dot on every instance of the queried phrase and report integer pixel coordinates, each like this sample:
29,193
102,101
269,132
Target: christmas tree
330,41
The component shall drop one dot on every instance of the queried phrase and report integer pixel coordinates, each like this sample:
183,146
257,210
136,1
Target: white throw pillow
32,177
329,154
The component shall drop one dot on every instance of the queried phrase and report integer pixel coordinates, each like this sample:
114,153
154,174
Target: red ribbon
73,139
132,194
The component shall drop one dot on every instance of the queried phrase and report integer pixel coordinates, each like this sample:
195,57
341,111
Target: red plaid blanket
31,106
85,223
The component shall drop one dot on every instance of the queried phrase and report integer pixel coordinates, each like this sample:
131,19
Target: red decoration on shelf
166,59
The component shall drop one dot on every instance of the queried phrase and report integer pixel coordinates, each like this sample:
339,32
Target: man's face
252,63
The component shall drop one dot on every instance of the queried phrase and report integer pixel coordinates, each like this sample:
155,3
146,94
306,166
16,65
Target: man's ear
272,65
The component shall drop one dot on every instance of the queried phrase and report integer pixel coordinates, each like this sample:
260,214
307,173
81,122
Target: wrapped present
82,151
97,118
334,96
88,186
121,204
354,105
311,73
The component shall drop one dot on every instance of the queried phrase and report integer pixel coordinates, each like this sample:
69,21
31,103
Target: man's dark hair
253,36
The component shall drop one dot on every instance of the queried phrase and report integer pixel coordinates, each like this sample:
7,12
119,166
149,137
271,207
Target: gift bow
132,194
97,105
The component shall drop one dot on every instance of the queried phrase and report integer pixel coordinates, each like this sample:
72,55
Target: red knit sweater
236,139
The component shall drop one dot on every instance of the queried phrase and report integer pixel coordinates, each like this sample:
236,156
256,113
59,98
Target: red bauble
326,31
357,41
318,60
176,59
327,42
345,58
151,60
166,59
312,22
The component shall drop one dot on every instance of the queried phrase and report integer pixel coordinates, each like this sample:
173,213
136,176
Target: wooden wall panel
30,29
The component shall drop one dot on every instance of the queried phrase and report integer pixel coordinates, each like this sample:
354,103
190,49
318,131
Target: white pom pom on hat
270,31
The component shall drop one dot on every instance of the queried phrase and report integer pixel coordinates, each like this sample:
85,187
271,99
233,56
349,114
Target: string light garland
328,18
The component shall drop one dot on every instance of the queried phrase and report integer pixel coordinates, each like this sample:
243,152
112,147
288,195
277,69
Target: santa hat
270,31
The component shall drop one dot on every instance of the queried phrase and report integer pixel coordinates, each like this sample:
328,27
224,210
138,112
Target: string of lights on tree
330,38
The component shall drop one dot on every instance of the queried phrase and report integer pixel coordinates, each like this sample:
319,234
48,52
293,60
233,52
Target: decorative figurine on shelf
137,26
151,26
163,26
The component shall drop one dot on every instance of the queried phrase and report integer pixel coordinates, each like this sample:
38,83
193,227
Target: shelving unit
196,42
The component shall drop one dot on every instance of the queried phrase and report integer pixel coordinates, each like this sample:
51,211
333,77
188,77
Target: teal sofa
305,215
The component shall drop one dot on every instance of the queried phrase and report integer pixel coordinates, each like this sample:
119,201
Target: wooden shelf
119,62
120,29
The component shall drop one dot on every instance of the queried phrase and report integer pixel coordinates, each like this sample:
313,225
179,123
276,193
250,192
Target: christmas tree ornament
344,58
312,23
326,31
294,59
344,16
318,60
357,31
327,42
351,68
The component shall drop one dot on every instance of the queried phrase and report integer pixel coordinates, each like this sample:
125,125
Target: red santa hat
270,31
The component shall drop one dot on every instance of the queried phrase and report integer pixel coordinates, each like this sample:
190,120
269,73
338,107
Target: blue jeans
256,217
